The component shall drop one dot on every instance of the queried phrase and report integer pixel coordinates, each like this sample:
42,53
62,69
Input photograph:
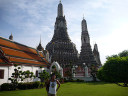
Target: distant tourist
51,85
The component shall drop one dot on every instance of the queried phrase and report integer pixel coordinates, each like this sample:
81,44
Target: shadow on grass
97,83
88,83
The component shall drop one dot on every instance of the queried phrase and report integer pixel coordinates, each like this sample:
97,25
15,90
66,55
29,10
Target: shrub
22,86
29,85
36,84
78,80
82,81
8,87
65,80
41,85
43,76
114,70
72,80
61,80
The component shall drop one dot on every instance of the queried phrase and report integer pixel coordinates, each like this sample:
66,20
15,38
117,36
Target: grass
75,89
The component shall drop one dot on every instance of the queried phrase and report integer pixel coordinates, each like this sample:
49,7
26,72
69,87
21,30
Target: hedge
29,85
22,86
8,87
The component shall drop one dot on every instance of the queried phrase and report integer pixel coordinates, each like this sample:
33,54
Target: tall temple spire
86,55
95,47
60,9
60,28
84,36
84,25
60,47
97,55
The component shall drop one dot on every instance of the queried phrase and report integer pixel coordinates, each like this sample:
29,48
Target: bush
41,85
72,80
78,80
7,87
65,80
29,85
22,86
36,84
114,70
61,80
100,74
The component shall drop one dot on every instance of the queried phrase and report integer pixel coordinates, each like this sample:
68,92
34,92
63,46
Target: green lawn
75,89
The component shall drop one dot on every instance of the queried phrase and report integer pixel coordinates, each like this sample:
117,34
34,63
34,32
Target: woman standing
52,90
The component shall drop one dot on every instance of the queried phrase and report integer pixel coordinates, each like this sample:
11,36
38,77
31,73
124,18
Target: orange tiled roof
1,60
17,53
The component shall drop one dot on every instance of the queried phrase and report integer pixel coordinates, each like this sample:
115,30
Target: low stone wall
86,79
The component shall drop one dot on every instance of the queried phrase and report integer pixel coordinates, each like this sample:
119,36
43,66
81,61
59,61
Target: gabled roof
12,52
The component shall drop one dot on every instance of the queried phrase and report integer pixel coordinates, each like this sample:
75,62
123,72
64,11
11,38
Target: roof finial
40,39
11,36
83,16
39,47
60,1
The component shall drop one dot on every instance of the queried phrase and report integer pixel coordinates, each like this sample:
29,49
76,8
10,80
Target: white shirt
52,87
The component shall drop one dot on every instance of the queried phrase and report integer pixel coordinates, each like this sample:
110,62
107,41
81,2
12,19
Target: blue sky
107,22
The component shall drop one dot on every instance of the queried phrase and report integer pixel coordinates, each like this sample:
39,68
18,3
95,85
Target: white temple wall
8,70
5,80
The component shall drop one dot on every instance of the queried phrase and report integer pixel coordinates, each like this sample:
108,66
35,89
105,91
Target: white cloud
115,42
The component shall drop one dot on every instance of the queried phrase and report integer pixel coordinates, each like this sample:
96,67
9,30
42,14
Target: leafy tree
44,76
109,57
19,75
123,53
100,74
69,71
28,76
115,70
93,72
53,67
16,76
56,72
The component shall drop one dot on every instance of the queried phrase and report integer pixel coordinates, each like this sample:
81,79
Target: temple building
86,54
60,51
97,55
60,48
41,50
27,58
